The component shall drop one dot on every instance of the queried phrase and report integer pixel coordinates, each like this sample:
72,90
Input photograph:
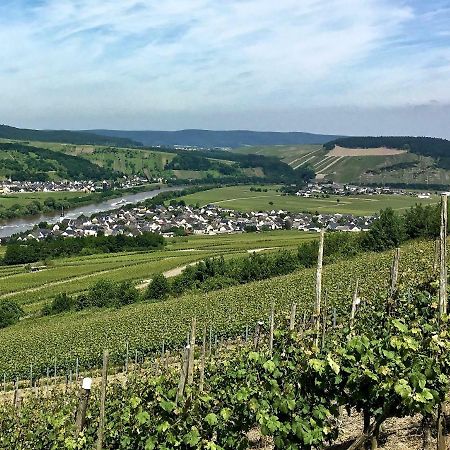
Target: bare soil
379,151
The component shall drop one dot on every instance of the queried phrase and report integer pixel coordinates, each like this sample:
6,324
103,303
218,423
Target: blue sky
343,66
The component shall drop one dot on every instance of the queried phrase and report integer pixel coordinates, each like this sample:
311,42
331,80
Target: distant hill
209,138
64,136
436,148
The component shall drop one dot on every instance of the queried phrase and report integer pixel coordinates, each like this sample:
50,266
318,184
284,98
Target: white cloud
99,58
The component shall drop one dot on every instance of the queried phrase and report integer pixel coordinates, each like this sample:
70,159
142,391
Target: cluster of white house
208,220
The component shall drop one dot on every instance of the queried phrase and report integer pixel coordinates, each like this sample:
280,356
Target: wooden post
101,426
443,258
436,255
324,322
256,335
77,369
272,328
246,333
394,280
183,375
334,317
190,378
82,405
16,393
202,362
354,305
441,438
292,318
210,341
127,347
54,372
31,375
317,315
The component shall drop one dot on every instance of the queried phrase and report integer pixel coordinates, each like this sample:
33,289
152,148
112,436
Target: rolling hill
64,136
409,161
28,163
209,138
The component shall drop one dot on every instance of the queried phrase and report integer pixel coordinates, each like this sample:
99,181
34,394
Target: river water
12,226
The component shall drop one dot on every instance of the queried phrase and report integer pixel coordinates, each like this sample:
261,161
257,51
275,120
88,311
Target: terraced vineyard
75,274
146,325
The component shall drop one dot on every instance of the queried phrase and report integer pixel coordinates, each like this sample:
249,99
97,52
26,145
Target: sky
327,66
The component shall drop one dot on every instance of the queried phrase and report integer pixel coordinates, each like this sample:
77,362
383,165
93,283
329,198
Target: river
19,225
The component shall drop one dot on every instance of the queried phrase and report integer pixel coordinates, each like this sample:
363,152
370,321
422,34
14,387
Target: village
11,186
176,220
318,189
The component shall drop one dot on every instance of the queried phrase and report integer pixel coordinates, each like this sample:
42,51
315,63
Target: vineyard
284,358
290,378
75,274
145,326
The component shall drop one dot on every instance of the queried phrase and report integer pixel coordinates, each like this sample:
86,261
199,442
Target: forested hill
209,138
26,163
426,146
63,136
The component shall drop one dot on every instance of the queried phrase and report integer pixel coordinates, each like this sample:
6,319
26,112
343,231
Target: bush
127,293
158,288
62,302
10,313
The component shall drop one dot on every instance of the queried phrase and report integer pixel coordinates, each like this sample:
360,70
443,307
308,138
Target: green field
241,198
76,274
24,199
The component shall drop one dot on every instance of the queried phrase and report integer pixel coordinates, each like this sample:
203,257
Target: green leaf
142,417
135,401
225,413
192,438
150,443
334,365
211,419
167,405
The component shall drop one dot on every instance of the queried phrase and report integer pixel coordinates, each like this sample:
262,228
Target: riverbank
20,205
86,207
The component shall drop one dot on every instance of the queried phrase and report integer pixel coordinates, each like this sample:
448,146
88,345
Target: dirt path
168,274
379,151
57,283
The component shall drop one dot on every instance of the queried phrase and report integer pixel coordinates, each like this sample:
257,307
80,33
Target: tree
127,293
158,288
10,313
62,302
388,231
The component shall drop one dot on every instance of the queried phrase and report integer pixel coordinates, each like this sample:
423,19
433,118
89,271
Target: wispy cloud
92,62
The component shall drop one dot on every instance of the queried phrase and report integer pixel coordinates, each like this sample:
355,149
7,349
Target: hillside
379,161
28,163
71,137
210,138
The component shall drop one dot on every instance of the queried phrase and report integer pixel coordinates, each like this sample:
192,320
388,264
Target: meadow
72,275
243,199
26,198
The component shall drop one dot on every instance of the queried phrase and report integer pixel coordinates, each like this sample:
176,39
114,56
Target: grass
24,199
76,274
241,198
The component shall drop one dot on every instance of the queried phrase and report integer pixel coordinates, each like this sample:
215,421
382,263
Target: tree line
53,247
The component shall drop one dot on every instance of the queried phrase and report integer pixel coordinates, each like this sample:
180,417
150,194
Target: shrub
10,313
158,288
